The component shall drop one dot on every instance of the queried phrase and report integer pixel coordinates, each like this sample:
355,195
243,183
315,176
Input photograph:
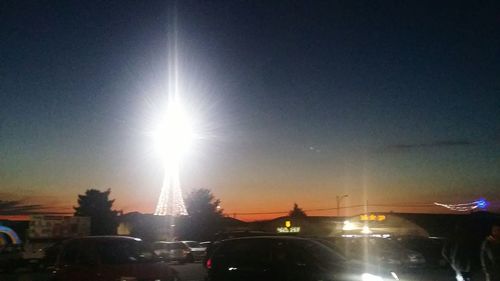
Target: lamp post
339,200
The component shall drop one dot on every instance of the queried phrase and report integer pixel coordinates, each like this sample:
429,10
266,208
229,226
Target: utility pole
339,200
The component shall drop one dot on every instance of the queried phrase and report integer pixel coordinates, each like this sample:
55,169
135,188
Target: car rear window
124,251
244,251
316,251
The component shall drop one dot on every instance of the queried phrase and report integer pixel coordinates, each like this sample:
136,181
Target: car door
245,260
288,263
77,263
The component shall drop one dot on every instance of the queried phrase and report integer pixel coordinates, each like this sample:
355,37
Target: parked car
230,235
197,252
380,251
50,255
430,248
10,257
103,258
279,258
173,251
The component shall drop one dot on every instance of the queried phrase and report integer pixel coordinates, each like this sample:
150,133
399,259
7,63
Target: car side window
70,254
76,254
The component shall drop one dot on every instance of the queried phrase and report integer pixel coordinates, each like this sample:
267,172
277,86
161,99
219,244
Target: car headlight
370,277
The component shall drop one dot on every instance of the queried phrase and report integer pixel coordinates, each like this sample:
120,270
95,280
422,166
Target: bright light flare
465,207
370,277
348,226
174,135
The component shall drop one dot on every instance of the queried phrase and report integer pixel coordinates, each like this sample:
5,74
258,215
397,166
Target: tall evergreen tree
204,216
96,205
297,212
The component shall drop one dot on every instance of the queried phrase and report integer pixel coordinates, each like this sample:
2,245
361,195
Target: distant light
465,207
288,223
348,226
482,203
366,230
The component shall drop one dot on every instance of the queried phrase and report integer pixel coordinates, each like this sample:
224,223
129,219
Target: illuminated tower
171,202
172,139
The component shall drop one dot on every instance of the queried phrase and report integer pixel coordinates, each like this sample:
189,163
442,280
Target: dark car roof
267,238
103,238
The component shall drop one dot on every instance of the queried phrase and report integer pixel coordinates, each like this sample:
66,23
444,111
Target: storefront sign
372,217
288,228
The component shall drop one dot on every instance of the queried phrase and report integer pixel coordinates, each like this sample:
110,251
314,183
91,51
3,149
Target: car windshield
125,251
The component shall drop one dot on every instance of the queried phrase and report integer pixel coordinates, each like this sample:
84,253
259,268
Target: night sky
392,102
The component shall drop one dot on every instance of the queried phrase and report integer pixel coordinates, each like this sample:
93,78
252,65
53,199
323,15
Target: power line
401,205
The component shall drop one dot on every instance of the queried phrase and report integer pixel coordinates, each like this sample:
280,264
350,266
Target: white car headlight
370,277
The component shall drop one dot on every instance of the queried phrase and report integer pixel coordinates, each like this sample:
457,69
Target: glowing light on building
348,226
366,230
372,217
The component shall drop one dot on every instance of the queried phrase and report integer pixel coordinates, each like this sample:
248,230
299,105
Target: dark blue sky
303,99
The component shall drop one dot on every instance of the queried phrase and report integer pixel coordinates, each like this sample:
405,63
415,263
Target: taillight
209,263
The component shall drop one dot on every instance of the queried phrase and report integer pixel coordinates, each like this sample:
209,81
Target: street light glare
174,135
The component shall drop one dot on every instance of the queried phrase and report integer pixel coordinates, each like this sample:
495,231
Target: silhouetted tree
204,216
96,205
202,202
297,212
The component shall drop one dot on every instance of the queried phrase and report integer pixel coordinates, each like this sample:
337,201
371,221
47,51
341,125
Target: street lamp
339,200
